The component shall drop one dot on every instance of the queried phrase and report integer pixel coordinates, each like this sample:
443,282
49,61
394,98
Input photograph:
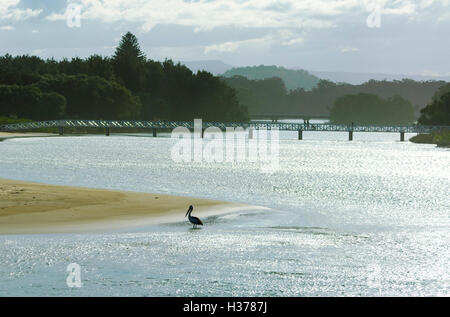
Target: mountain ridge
219,68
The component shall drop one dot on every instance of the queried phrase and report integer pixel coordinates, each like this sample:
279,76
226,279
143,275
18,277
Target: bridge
108,125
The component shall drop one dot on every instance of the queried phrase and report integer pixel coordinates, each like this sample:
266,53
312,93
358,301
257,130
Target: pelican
194,220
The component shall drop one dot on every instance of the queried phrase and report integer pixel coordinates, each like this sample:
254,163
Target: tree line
371,109
270,96
124,86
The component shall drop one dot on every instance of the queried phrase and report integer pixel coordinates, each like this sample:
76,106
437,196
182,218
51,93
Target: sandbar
33,208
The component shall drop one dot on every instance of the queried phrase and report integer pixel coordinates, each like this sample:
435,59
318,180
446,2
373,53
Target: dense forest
270,96
124,86
371,109
293,79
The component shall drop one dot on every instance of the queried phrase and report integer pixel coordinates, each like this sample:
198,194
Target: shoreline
17,135
440,139
35,208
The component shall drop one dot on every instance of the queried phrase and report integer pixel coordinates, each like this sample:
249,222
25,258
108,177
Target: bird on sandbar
194,220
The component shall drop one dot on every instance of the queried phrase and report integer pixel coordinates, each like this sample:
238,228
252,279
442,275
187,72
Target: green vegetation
422,138
8,120
260,96
293,79
438,111
441,138
124,86
92,97
441,92
31,102
371,109
270,96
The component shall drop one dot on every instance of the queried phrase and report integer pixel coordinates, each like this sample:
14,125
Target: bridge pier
350,135
154,132
300,134
107,131
61,130
402,136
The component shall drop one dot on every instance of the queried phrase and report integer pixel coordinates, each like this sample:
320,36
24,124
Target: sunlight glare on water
369,217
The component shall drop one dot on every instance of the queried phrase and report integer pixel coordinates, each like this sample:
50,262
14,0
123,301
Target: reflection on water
369,217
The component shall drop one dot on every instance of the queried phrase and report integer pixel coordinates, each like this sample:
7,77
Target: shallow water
369,217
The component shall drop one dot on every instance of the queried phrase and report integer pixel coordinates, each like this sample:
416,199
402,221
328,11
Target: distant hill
215,67
293,79
360,78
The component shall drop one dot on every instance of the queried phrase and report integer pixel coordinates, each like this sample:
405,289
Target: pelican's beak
189,210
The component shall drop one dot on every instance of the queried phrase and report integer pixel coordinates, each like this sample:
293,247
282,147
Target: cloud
39,52
6,28
284,37
224,47
9,11
228,47
209,14
288,37
205,15
320,34
349,49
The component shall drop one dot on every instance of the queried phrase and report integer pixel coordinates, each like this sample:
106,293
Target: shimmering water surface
369,217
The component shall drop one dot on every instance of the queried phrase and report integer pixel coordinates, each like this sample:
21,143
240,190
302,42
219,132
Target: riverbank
11,135
31,208
440,138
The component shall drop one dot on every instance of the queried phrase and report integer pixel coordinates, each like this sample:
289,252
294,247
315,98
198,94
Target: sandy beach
30,208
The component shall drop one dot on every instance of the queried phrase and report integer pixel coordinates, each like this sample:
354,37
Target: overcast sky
383,36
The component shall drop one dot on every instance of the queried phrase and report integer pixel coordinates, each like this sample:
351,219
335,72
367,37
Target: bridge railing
257,125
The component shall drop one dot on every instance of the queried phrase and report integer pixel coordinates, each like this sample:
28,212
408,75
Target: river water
362,218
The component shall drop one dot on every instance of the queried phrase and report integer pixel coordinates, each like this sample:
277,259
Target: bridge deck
257,125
